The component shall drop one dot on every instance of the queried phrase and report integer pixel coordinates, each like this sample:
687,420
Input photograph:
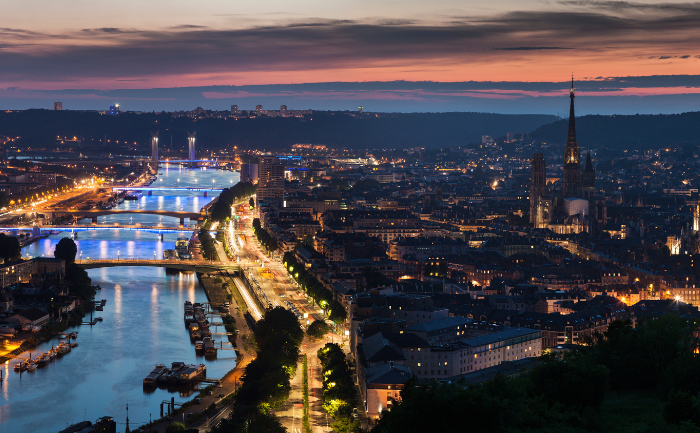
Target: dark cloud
335,44
532,48
626,6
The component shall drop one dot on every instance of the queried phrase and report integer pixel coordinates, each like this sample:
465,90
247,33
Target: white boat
20,366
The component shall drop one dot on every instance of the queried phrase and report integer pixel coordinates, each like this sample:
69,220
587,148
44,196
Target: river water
143,325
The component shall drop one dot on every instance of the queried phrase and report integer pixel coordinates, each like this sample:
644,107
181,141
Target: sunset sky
502,56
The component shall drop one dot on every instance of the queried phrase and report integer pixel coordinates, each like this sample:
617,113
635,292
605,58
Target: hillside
40,128
626,132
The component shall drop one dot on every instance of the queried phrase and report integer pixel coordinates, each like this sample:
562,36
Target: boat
75,344
42,359
99,308
181,245
73,335
157,372
53,353
31,365
20,366
199,346
63,348
99,319
187,373
209,348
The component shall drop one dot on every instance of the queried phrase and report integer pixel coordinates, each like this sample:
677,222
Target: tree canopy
9,247
66,249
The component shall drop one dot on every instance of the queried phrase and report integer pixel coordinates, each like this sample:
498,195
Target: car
209,393
196,401
221,396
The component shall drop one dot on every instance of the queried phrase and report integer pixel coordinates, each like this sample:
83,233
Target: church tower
538,184
571,183
588,179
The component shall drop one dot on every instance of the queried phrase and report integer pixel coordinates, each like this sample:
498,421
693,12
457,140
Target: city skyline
638,56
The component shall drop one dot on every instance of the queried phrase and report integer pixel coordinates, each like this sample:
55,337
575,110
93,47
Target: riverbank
201,415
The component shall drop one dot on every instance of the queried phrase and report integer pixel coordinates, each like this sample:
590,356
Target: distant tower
360,108
127,419
154,146
538,184
58,106
571,184
696,216
588,179
191,154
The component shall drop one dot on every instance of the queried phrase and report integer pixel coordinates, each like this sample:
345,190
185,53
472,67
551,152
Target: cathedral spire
571,184
571,153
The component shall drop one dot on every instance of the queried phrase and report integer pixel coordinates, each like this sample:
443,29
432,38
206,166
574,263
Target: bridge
201,266
98,227
94,213
150,189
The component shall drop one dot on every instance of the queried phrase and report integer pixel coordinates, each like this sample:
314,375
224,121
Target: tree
66,250
318,329
176,427
9,247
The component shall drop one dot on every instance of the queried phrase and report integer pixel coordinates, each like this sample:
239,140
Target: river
143,325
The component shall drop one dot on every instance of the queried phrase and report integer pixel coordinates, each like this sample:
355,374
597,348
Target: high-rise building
234,109
58,106
270,181
571,183
258,108
114,110
249,172
283,110
538,184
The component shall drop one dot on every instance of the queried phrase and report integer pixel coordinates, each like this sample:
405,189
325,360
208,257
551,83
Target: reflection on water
143,326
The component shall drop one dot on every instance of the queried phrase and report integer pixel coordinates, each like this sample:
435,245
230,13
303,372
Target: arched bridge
202,266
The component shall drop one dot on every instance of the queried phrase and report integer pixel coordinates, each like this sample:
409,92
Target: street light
154,255
117,255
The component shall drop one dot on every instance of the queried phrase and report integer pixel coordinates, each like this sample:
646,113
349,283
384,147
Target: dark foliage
314,288
9,247
318,329
66,250
221,210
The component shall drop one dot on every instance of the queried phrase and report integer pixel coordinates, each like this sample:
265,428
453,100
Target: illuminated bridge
165,188
98,227
94,213
202,266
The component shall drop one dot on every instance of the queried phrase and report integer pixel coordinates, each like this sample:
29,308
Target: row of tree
221,210
266,385
338,388
207,244
314,288
265,239
640,379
